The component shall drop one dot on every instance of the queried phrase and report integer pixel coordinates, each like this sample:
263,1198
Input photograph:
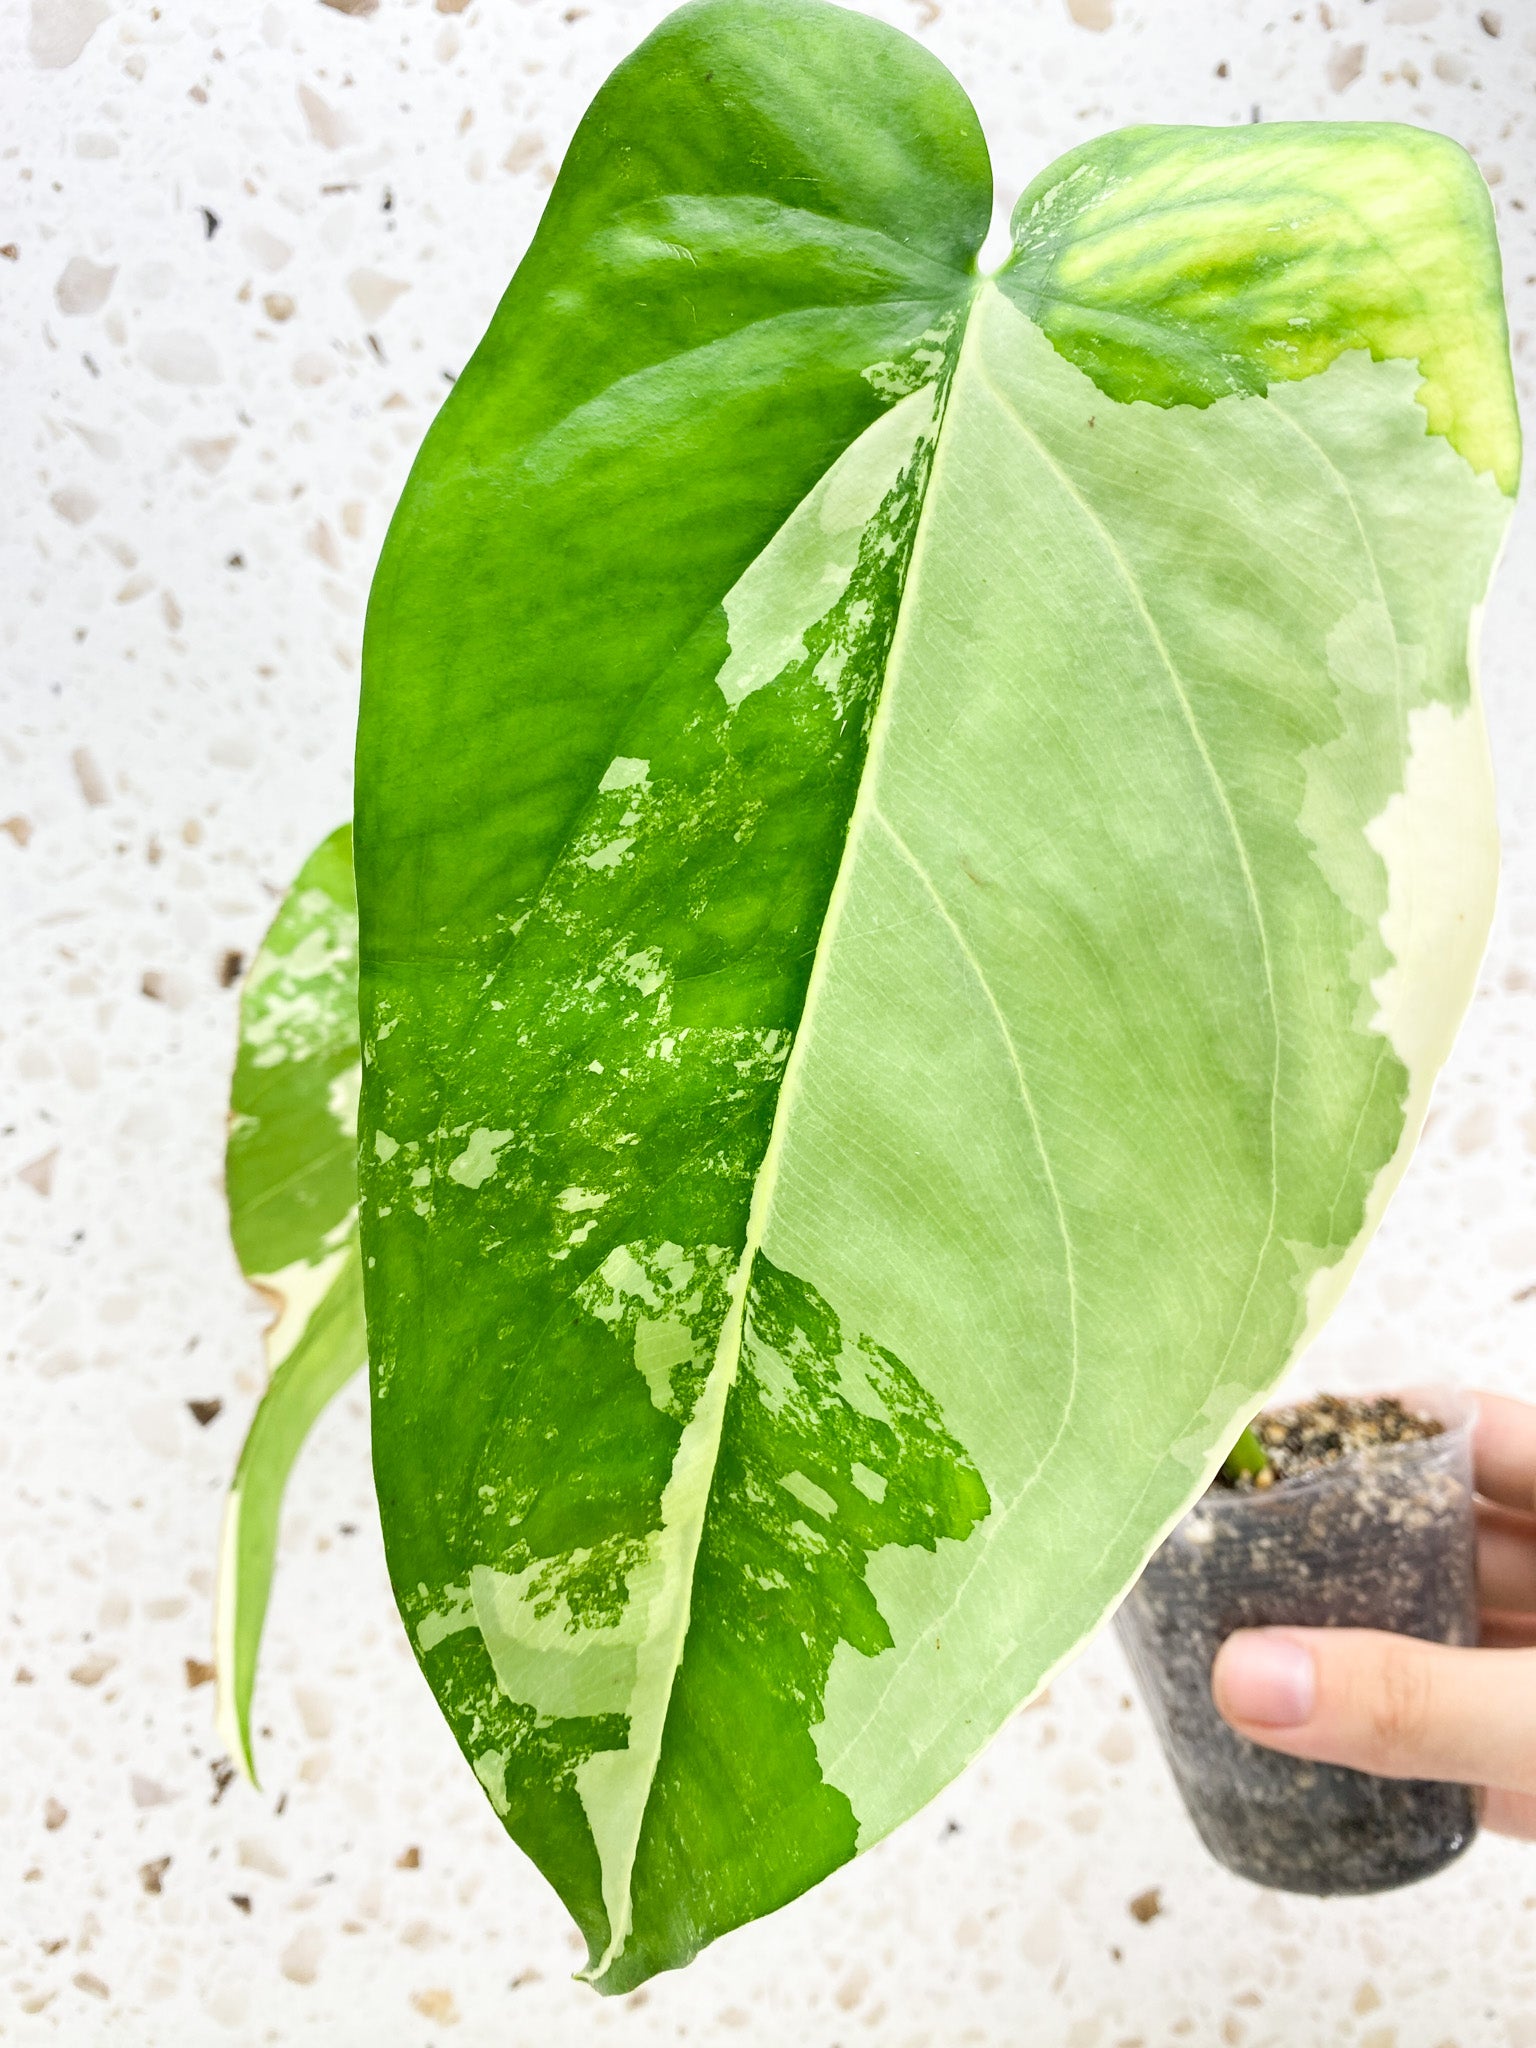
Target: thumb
1384,1703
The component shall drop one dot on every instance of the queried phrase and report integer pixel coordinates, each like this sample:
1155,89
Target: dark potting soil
1311,1435
1369,1526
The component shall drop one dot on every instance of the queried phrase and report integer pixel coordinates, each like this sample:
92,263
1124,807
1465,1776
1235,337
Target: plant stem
1246,1455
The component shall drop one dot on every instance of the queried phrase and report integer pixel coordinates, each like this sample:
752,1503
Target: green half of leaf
292,1179
921,840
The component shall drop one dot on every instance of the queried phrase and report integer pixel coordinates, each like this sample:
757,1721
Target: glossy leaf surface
292,1179
920,840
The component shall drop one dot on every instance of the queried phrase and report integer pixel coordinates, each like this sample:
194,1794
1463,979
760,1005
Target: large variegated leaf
292,1178
920,841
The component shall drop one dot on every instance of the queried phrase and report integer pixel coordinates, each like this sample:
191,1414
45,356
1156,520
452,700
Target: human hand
1409,1709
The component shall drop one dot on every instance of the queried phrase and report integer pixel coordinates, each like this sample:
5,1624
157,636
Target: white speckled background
242,245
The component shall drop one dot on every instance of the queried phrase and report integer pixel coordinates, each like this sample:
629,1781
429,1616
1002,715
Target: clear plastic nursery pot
1384,1539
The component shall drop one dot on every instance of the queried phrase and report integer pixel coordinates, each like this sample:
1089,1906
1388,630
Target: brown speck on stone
1520,1294
54,1815
93,786
331,129
19,828
223,1778
437,2005
38,1173
534,1976
1345,65
210,456
409,1859
23,1676
242,1900
851,1990
358,8
10,252
1221,68
1490,23
278,306
93,1669
300,1960
450,6
146,1792
322,542
254,1854
91,1985
152,1875
203,1412
526,150
1147,1905
161,987
198,1673
1097,15
231,967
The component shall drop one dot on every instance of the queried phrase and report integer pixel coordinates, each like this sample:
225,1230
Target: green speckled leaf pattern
920,842
291,1173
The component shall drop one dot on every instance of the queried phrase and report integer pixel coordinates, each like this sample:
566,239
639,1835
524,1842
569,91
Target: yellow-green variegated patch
921,840
292,1179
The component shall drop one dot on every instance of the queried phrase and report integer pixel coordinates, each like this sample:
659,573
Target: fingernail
1265,1677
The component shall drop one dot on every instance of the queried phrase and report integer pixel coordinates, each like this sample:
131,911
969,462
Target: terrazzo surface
242,252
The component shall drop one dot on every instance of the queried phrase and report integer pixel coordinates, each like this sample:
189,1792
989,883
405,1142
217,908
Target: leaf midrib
727,1359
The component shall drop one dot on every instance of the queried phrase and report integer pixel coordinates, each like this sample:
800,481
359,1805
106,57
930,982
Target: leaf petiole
1246,1455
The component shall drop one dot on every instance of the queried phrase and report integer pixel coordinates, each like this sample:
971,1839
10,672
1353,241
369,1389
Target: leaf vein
1137,595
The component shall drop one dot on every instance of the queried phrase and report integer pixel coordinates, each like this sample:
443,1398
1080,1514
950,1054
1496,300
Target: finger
1504,1451
1506,1561
1510,1813
1383,1703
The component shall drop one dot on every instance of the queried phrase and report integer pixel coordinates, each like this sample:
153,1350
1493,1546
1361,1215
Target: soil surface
1311,1435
